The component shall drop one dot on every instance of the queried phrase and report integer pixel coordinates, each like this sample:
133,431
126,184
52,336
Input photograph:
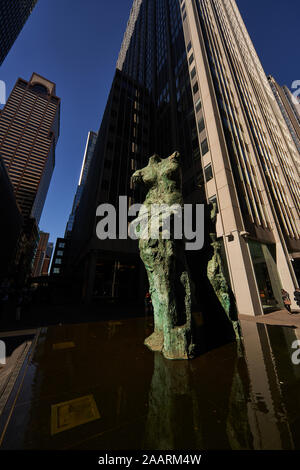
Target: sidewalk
280,318
18,345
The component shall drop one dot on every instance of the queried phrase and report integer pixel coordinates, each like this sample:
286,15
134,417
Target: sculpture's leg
178,342
171,298
158,320
155,341
164,306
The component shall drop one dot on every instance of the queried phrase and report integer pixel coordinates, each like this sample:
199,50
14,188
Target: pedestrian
286,300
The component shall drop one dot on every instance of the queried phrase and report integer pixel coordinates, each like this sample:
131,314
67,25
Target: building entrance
267,278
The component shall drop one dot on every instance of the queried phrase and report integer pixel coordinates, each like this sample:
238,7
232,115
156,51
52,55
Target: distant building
294,102
89,150
29,130
59,257
47,259
13,16
290,110
40,254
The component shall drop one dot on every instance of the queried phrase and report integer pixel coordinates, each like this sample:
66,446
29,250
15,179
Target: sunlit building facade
188,78
88,153
29,130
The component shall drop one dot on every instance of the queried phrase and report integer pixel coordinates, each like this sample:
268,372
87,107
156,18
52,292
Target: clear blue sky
75,44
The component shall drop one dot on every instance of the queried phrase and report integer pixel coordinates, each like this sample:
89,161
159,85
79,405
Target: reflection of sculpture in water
237,427
165,261
217,278
173,419
187,411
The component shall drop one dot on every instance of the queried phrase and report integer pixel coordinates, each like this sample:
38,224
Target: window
60,253
57,261
189,46
193,73
56,270
195,88
61,245
208,173
201,125
213,200
198,105
204,147
184,16
191,59
39,88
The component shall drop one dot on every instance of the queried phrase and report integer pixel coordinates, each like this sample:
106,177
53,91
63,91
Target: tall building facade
47,259
40,254
13,16
29,130
60,256
188,78
88,153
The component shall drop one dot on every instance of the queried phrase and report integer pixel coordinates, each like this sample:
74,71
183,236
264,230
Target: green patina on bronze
165,263
215,274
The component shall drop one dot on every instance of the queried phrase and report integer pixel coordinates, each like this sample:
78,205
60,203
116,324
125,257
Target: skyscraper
60,256
40,254
88,153
188,78
47,259
13,16
290,110
29,130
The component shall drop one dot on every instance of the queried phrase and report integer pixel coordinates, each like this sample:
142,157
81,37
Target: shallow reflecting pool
224,399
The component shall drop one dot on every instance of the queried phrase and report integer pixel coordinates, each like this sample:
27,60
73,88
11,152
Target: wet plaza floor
96,386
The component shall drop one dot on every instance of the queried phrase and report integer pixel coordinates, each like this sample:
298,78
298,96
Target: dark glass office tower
188,79
13,16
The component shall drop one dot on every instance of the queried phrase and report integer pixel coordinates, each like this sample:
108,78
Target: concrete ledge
280,318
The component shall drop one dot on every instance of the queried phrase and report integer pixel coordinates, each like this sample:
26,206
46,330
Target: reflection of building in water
281,341
268,357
